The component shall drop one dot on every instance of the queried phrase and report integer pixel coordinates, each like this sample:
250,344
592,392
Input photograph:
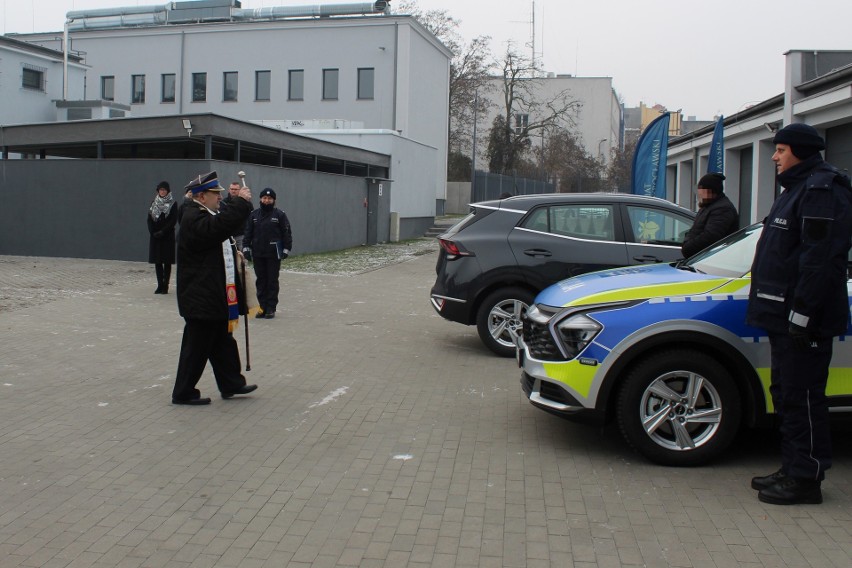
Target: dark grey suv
494,261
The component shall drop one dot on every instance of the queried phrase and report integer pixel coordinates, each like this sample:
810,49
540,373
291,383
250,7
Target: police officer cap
204,182
712,181
799,134
268,191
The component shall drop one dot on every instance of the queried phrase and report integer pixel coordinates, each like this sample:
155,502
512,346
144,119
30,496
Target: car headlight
575,333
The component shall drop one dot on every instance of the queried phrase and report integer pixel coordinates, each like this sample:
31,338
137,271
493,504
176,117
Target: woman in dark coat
162,217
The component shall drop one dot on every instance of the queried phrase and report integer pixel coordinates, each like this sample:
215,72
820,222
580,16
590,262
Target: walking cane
246,319
242,175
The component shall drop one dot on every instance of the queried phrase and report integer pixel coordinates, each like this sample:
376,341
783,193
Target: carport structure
329,191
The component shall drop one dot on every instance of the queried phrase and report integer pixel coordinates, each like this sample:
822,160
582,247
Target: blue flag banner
649,160
716,160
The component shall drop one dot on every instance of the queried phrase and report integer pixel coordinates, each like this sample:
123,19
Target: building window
229,82
199,87
329,84
108,88
521,122
168,90
262,85
33,77
137,89
296,88
366,77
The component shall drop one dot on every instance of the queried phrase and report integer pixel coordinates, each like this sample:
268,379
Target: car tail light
453,250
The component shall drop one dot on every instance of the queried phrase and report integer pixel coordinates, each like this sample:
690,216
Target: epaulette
825,176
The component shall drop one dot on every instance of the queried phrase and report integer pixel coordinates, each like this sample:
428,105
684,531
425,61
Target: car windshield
730,257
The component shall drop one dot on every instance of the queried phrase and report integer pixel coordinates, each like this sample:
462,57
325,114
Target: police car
662,349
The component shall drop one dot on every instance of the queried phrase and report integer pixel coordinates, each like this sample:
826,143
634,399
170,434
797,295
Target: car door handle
537,252
647,259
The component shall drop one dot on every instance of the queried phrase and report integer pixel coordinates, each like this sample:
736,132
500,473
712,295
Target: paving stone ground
381,435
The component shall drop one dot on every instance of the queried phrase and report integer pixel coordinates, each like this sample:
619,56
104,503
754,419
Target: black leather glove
284,255
247,253
799,335
158,234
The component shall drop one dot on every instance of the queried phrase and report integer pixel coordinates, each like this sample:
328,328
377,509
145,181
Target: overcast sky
706,57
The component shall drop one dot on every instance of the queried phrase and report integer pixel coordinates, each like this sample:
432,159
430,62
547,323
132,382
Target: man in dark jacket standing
210,295
233,191
268,239
798,295
717,217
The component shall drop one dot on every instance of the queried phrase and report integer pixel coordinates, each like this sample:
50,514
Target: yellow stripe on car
577,376
656,290
839,383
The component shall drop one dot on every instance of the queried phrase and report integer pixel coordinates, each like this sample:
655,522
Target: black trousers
799,376
267,271
164,273
207,340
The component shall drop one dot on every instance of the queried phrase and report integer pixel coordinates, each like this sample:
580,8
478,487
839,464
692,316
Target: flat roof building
817,91
347,66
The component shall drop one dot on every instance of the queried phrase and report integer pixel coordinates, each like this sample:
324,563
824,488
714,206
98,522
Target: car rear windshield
476,214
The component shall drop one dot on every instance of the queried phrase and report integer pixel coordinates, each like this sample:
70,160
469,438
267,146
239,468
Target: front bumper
550,395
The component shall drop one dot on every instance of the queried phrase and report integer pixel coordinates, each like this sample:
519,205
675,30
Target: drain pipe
65,61
182,57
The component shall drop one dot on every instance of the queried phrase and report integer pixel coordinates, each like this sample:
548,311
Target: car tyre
498,320
664,422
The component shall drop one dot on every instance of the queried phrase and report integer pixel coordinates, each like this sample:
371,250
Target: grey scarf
161,206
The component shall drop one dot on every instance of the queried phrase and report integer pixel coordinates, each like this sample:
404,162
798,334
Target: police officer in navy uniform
798,295
268,239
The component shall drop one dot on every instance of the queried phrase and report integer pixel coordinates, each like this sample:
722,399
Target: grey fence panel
488,186
98,208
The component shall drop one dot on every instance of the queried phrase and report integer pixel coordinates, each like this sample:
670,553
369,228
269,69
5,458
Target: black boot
792,491
158,268
767,480
167,275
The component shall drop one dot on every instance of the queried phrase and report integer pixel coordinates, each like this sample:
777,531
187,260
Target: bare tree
620,171
526,111
570,166
468,72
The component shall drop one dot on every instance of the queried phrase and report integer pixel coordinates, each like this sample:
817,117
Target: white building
598,122
817,91
31,80
317,64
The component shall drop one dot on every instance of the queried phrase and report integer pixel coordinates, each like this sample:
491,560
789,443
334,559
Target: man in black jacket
209,291
717,217
233,191
798,295
268,239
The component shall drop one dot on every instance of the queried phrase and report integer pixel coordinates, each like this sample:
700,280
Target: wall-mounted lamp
187,125
772,126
